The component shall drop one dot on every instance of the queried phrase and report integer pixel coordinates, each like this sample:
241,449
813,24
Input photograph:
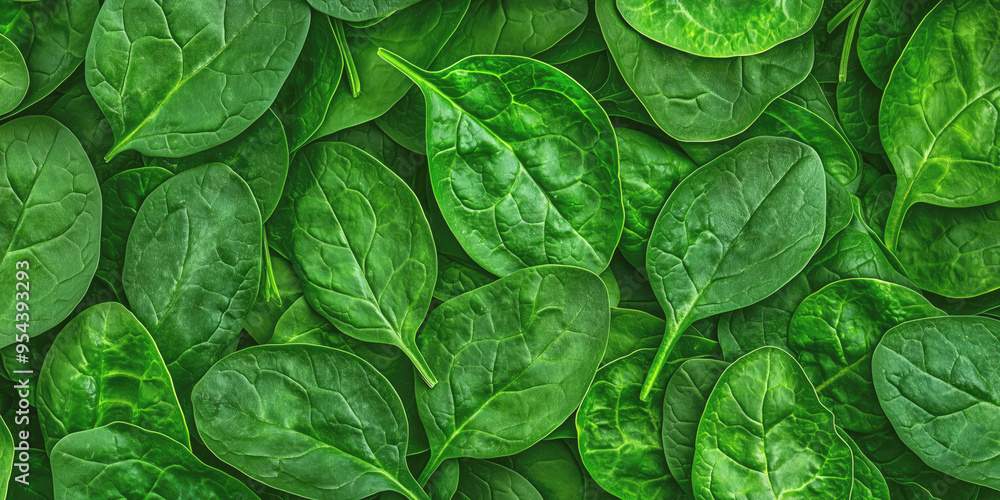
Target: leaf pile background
477,249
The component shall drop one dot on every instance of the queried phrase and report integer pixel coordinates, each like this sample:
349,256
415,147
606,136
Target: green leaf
700,266
123,195
520,350
13,76
103,368
630,331
371,270
552,468
626,460
121,460
869,482
6,458
259,156
684,402
718,28
702,99
300,324
509,204
650,170
194,307
211,80
765,434
304,99
886,27
834,333
479,479
51,221
52,36
936,380
265,314
360,10
953,252
272,393
416,33
584,40
858,101
457,276
938,118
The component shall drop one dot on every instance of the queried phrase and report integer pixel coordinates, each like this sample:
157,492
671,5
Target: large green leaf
50,224
767,200
765,434
416,33
683,405
834,333
257,410
702,99
52,36
626,460
210,81
521,350
552,468
885,28
869,483
193,266
103,368
479,479
520,196
121,460
360,244
721,28
650,170
936,379
939,117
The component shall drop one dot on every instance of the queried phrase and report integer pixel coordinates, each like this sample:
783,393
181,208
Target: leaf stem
844,13
345,53
845,55
659,361
431,467
421,364
272,284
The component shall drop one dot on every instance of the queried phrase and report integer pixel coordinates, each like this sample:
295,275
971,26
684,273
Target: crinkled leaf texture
514,357
51,219
683,405
938,119
695,98
121,460
734,232
102,368
937,380
518,196
765,434
721,28
314,421
193,267
360,244
360,10
210,79
13,75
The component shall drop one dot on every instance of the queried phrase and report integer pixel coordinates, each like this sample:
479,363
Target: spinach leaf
103,368
360,10
52,36
267,311
489,180
371,272
481,479
6,456
50,221
650,170
416,33
303,101
858,101
121,460
834,333
634,330
765,434
938,116
700,266
211,81
717,28
13,76
457,276
194,307
584,40
522,349
627,461
683,405
868,480
684,93
936,381
552,468
271,392
885,28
